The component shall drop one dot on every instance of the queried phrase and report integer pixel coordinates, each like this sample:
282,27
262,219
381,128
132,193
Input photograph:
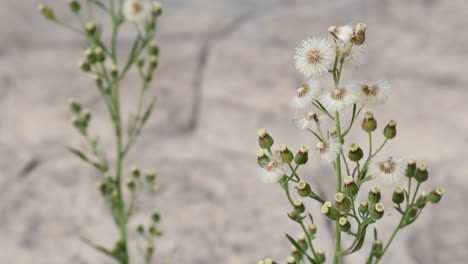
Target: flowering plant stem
103,61
313,58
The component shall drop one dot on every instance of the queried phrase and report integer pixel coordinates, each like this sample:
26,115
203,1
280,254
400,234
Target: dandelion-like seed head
329,150
388,171
308,121
339,99
306,94
343,33
274,170
136,10
374,94
314,56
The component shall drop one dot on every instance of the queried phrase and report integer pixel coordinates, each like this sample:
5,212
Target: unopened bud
140,61
291,260
398,195
150,176
435,196
153,48
422,200
156,10
286,155
364,207
299,206
378,211
262,158
74,105
302,156
312,229
331,212
374,195
46,11
377,248
342,202
390,130
84,66
264,139
411,168
350,188
135,172
344,224
74,6
303,189
90,28
131,184
355,152
421,174
156,217
369,124
321,256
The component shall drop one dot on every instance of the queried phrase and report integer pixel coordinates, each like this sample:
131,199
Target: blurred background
226,70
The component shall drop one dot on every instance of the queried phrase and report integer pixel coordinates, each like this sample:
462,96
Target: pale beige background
226,70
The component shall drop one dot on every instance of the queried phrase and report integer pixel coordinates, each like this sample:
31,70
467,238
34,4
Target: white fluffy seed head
388,171
315,56
136,10
329,150
374,94
306,94
340,99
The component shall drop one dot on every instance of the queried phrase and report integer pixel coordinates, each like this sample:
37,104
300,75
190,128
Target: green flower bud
435,196
47,12
99,54
286,155
421,201
344,224
377,248
303,189
369,124
135,172
364,207
390,130
74,6
140,61
91,28
296,254
98,80
378,211
295,216
342,202
131,184
262,159
331,212
156,10
150,25
398,195
421,174
291,260
114,70
90,58
374,195
411,168
312,230
264,139
321,256
302,156
359,34
301,241
270,261
150,176
153,61
355,152
413,211
153,48
140,229
350,188
74,105
84,66
156,217
299,206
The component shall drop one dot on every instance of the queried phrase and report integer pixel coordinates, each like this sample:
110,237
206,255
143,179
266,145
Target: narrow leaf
149,110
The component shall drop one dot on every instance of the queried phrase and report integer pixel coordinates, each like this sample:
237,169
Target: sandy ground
226,71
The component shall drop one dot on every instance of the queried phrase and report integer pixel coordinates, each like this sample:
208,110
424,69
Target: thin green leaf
78,153
294,243
149,110
361,241
375,234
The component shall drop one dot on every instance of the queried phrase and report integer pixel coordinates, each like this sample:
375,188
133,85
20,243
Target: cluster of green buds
81,116
149,233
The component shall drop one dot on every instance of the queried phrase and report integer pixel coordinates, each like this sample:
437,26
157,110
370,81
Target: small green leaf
78,153
149,110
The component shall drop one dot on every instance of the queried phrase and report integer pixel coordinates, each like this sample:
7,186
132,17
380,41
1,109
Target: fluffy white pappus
274,170
374,94
136,10
315,56
329,150
387,171
340,99
354,57
306,94
309,121
343,33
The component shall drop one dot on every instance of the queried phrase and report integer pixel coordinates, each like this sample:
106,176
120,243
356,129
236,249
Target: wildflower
374,94
136,10
315,56
306,94
435,196
354,57
309,121
369,124
274,170
340,99
343,33
398,195
329,150
390,130
389,171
